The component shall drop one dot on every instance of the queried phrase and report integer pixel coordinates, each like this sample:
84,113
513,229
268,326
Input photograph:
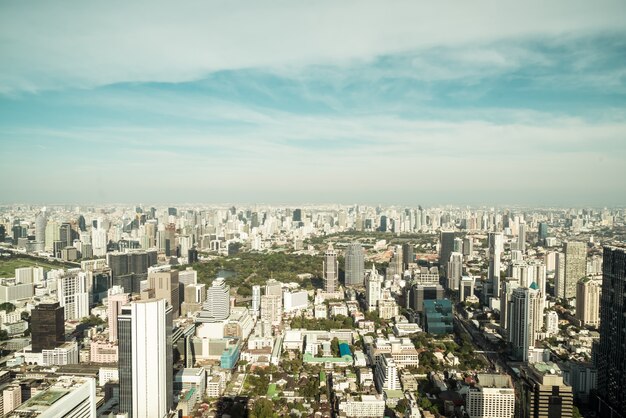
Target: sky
403,102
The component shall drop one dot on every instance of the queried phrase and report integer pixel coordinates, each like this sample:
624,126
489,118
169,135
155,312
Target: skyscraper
525,319
116,298
48,326
166,286
544,394
256,299
454,270
217,305
496,246
611,358
331,270
588,302
575,266
543,232
354,265
521,237
408,255
145,358
447,247
373,289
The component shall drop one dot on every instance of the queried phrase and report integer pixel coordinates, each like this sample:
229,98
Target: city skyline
286,103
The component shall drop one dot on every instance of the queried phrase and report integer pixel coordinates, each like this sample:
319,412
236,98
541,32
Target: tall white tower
331,270
145,358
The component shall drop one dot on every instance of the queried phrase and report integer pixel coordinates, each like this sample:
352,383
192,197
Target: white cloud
86,44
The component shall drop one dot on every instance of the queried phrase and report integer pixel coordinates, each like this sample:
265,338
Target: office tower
588,302
446,248
40,230
458,245
496,247
525,320
65,234
542,233
468,247
47,326
116,298
192,255
544,394
354,265
373,284
297,215
408,255
559,275
271,309
256,299
506,290
166,286
145,358
575,266
383,224
172,211
466,289
217,303
82,225
331,270
51,235
274,287
73,294
611,356
397,267
454,270
424,292
521,237
493,396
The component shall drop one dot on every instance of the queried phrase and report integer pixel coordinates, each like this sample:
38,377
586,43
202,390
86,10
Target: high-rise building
47,326
575,266
217,305
446,248
521,237
611,355
331,270
373,284
588,301
145,359
73,294
116,298
454,270
166,286
496,247
354,265
256,299
493,396
271,309
40,230
543,232
544,394
525,320
559,275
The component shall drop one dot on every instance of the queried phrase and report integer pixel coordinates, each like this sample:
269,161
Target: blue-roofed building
344,350
438,317
229,357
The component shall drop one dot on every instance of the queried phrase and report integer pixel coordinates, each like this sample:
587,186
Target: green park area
9,264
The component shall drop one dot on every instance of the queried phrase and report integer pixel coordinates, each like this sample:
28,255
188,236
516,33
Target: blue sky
287,102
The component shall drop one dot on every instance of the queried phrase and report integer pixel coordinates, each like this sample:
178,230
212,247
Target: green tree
7,306
334,347
263,408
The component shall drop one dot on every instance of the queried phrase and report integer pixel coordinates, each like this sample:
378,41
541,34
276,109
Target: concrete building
330,269
493,396
271,309
145,359
354,265
525,319
116,298
69,394
575,266
544,394
166,286
588,302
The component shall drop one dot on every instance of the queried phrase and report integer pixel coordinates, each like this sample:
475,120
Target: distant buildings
354,265
331,270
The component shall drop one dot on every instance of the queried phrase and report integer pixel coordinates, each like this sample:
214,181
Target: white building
367,406
386,374
145,358
68,393
492,397
373,284
217,305
73,294
295,301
